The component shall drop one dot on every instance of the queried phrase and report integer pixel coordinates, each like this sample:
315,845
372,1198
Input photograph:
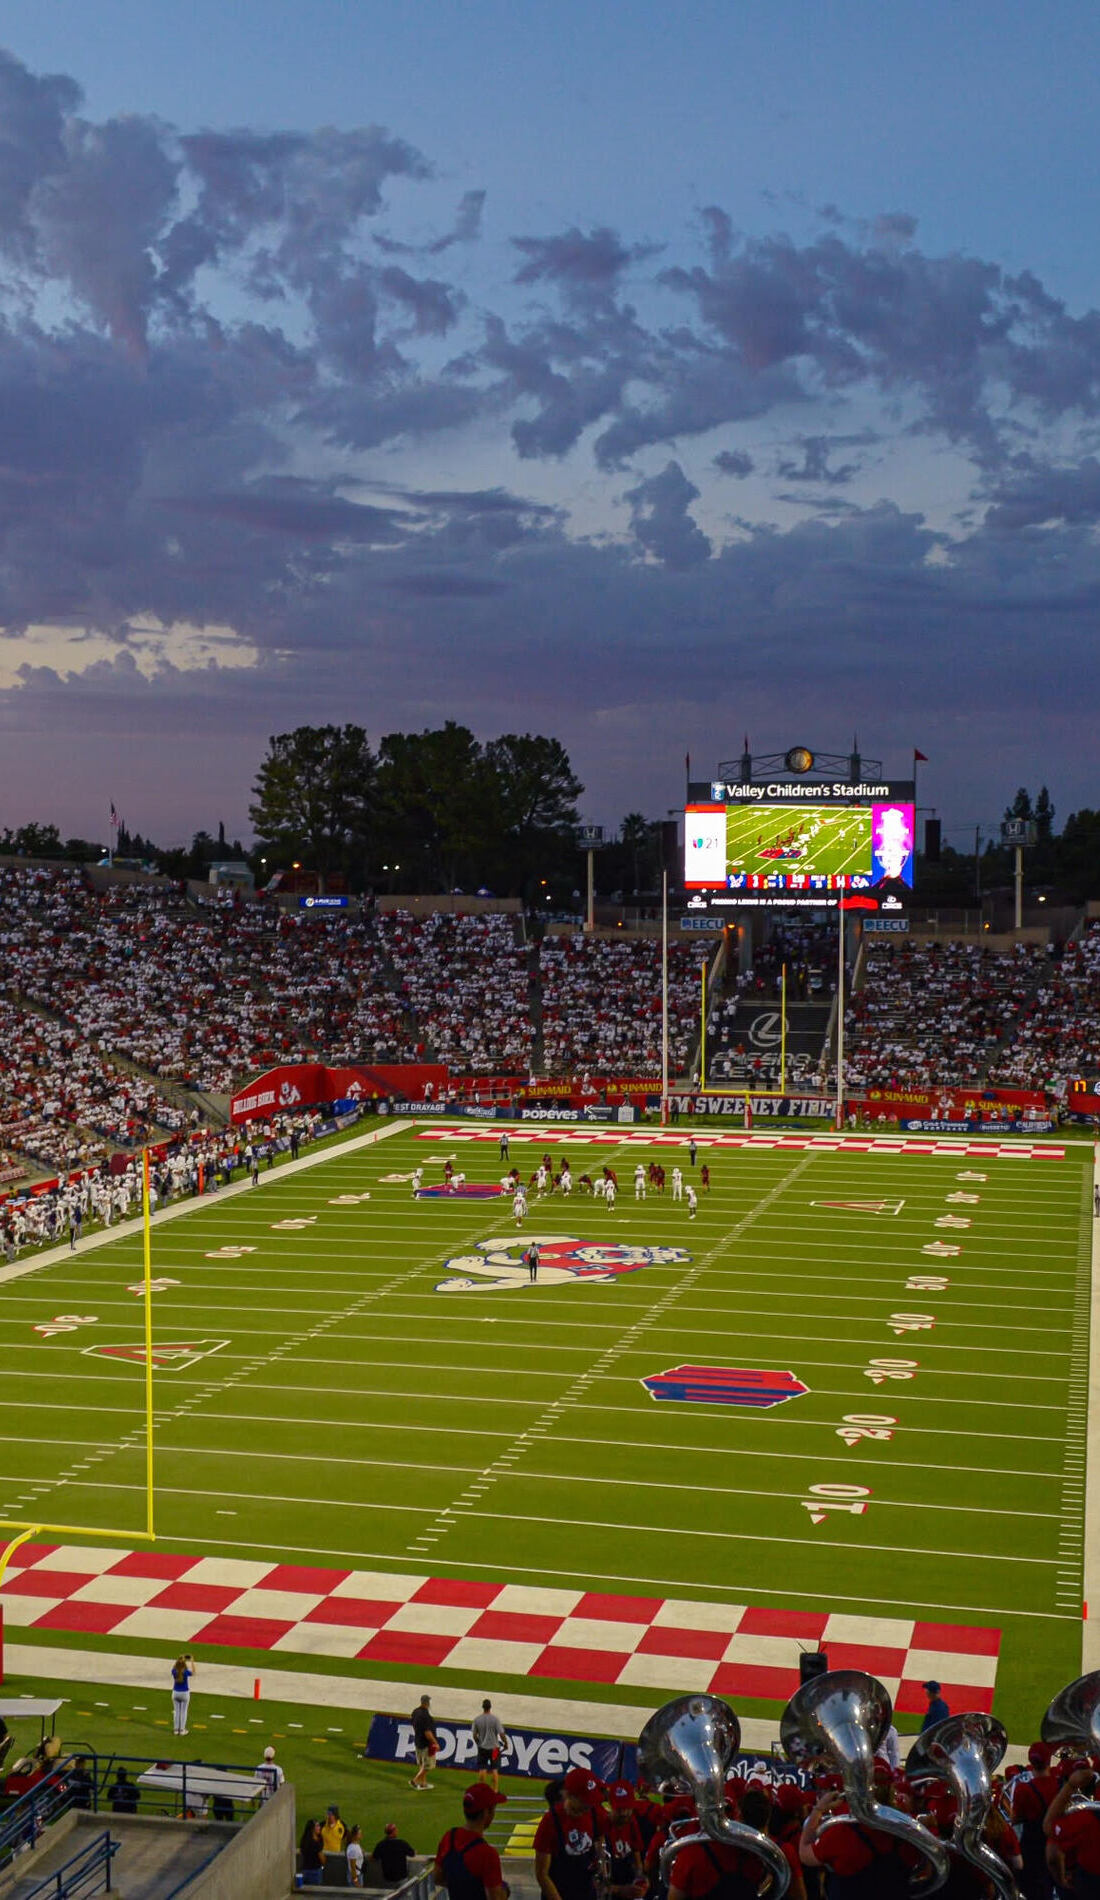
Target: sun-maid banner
983,1100
538,1753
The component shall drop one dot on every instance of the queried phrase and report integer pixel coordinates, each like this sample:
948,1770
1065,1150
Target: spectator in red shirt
861,1862
1030,1795
465,1864
624,1843
570,1845
1073,1836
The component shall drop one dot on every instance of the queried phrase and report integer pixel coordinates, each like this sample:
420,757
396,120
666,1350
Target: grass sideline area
359,1416
319,1751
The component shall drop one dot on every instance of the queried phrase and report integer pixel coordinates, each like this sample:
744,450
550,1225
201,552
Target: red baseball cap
481,1796
789,1797
1040,1754
583,1785
621,1794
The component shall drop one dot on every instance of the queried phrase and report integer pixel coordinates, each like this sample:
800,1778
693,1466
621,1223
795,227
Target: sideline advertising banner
538,1753
543,1754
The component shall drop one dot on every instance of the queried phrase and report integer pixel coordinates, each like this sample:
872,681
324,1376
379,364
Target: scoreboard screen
799,839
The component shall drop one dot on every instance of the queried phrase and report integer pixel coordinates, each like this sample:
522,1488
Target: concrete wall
259,1860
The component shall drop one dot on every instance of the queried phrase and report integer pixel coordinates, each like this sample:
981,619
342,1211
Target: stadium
422,1296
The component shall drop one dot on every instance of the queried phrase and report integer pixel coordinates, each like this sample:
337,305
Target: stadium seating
934,1015
601,1006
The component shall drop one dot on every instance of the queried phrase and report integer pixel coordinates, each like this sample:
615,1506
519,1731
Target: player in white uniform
540,1180
600,1185
677,1184
610,1191
418,1176
566,1179
519,1205
639,1183
692,1201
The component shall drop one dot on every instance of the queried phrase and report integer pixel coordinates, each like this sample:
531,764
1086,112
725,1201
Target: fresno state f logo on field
724,1385
500,1263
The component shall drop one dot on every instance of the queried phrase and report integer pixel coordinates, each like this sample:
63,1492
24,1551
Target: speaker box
811,1664
932,838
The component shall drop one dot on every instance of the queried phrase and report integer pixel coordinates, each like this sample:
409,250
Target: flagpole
783,1034
703,1028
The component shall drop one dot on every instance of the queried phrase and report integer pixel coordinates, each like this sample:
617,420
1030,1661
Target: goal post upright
147,1227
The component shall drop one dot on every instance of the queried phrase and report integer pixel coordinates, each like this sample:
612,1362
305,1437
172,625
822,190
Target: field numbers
859,1425
968,1174
824,1498
881,1369
155,1286
229,1253
954,1220
65,1323
911,1322
927,1283
963,1200
348,1200
293,1226
941,1249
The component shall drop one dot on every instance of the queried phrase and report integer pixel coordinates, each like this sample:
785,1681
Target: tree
536,788
315,797
534,792
1020,806
436,806
32,841
1044,816
636,834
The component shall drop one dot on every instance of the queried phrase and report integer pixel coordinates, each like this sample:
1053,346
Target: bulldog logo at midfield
500,1263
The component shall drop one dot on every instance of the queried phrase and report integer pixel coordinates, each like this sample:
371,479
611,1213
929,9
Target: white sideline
621,1720
553,1714
1090,1628
195,1202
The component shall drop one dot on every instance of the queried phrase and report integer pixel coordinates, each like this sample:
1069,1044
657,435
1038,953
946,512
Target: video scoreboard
795,841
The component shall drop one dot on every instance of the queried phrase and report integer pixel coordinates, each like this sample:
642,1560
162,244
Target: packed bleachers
933,1014
601,1003
465,981
1057,1037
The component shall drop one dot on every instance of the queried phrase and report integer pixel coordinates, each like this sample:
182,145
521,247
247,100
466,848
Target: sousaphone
691,1743
844,1715
966,1751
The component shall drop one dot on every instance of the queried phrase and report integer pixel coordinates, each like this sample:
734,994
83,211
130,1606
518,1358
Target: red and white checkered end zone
421,1622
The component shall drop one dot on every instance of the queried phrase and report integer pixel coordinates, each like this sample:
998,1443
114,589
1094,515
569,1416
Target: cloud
814,466
734,462
661,521
242,389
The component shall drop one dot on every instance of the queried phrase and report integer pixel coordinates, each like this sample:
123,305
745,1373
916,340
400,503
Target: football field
846,1401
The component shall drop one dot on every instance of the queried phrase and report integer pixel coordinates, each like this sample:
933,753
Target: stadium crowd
121,1002
935,1015
601,1004
465,981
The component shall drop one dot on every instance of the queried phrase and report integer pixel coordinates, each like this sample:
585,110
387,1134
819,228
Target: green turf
359,1417
320,1752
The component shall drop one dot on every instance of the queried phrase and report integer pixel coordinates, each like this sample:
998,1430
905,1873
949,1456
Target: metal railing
88,1872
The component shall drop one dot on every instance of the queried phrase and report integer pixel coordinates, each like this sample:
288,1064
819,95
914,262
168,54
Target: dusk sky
642,376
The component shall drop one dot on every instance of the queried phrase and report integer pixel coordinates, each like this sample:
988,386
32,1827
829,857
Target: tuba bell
965,1750
1073,1718
692,1742
844,1715
1073,1721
